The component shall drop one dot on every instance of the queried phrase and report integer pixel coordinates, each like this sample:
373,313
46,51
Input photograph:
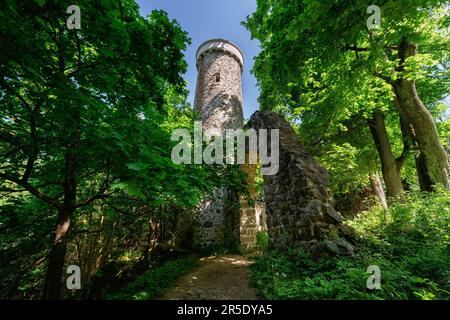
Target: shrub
409,242
262,240
152,283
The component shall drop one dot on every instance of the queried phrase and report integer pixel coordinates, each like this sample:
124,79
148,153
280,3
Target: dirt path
225,277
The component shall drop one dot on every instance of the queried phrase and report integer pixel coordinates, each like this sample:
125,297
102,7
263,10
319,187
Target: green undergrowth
262,240
152,283
409,243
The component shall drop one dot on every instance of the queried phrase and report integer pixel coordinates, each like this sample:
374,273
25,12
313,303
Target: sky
210,19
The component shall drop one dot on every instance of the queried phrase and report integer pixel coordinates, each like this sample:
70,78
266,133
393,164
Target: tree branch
385,78
34,148
37,193
80,66
5,137
92,199
100,194
355,48
8,190
7,87
75,232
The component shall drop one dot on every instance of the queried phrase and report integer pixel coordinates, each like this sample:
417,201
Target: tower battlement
222,45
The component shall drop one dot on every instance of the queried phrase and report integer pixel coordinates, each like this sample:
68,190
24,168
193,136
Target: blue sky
207,19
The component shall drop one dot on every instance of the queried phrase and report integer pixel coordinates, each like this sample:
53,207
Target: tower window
217,77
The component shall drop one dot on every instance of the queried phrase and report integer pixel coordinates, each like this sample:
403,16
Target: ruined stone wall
261,217
299,206
248,227
209,229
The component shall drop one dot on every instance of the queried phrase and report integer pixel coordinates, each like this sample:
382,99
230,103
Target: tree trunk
410,141
377,188
391,174
52,287
433,155
152,240
425,181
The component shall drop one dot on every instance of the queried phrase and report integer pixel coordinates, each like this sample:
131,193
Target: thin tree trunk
391,174
377,188
433,155
52,287
408,144
151,237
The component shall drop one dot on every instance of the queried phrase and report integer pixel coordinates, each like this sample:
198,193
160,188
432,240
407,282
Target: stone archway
299,205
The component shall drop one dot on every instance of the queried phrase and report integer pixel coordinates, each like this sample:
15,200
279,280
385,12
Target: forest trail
225,277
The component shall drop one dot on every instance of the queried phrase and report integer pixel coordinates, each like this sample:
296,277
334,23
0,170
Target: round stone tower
218,98
218,102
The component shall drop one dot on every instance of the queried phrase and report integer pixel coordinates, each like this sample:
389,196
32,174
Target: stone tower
218,102
218,97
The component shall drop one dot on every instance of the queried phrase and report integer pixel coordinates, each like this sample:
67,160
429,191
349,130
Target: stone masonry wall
299,206
248,225
219,92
